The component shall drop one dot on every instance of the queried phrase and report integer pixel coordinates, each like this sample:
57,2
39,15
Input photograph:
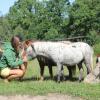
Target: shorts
5,72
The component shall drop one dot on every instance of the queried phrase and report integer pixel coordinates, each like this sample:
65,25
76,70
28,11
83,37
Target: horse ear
27,42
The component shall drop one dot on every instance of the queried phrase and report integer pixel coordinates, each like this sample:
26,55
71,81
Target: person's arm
10,60
23,54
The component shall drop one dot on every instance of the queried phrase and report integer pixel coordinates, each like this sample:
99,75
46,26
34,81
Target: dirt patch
46,97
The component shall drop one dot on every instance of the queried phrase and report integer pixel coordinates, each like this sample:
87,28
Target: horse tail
91,58
88,57
92,52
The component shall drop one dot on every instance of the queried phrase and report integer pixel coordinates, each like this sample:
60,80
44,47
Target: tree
20,15
38,18
85,18
5,29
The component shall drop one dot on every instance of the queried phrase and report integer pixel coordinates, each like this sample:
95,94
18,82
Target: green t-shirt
9,57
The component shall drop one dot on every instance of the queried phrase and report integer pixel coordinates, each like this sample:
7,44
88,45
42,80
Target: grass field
32,86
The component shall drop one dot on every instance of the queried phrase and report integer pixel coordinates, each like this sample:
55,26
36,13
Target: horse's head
29,48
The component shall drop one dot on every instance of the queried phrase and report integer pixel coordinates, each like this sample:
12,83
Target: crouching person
12,66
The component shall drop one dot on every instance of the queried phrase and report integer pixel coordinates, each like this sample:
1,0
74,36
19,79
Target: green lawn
32,86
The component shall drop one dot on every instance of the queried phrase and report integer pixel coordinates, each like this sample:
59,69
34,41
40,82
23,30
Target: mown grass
32,86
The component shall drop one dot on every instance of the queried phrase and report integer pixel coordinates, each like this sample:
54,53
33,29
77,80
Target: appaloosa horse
44,61
63,54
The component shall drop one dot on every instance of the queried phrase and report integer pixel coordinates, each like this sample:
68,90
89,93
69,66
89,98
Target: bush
51,34
97,48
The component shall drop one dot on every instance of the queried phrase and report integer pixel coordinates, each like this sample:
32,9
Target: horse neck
40,48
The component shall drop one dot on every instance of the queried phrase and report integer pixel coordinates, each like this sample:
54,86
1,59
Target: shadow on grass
71,79
46,78
30,79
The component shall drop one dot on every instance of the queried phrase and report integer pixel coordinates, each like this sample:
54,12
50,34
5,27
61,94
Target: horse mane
29,40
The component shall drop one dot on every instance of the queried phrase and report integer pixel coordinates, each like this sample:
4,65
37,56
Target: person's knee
20,73
23,67
5,72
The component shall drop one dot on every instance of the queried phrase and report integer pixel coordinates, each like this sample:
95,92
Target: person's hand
23,53
25,59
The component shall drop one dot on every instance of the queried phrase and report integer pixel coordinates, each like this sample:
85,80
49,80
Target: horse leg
41,72
59,72
62,73
81,71
70,72
50,71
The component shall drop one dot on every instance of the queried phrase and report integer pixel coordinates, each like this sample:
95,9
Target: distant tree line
52,20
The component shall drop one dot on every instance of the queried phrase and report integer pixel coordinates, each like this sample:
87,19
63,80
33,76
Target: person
12,64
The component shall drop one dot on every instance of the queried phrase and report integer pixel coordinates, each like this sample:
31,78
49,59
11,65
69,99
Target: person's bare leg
15,73
23,67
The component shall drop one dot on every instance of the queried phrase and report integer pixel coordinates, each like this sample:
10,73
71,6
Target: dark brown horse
44,61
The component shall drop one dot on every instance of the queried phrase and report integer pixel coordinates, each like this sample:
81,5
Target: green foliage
52,20
37,18
52,34
85,18
5,29
93,37
97,48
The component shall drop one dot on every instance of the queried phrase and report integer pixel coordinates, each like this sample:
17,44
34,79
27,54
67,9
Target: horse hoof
58,81
42,78
80,81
